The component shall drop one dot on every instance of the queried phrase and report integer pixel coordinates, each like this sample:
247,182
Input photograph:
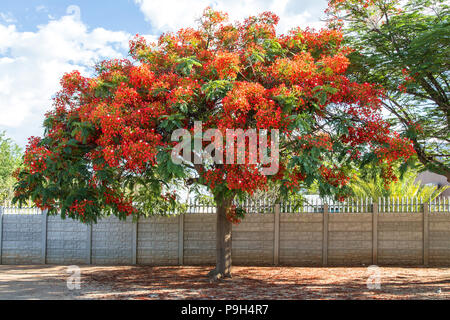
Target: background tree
369,184
107,146
405,47
10,160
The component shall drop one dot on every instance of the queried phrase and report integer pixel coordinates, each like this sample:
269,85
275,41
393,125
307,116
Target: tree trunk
223,243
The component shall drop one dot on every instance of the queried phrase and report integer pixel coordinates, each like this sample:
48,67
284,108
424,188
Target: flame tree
107,142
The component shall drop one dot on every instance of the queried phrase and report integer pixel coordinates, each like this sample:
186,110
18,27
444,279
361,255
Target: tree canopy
107,143
405,47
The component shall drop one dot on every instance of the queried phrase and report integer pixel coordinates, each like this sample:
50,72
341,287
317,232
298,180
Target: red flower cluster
225,65
79,207
235,214
36,156
247,178
120,203
321,141
334,177
294,180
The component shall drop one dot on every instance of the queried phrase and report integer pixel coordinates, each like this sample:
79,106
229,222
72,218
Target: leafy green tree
367,185
10,160
405,47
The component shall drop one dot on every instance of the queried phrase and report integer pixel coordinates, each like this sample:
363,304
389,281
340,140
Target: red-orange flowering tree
107,146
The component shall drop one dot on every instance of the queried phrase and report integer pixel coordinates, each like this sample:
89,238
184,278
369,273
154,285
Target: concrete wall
253,240
350,239
439,249
22,239
157,241
112,242
67,241
302,239
199,239
400,238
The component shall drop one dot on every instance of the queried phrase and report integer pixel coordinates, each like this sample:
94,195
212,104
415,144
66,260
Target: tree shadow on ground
144,282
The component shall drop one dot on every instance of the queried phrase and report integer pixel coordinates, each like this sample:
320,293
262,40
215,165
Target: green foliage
217,89
273,49
186,64
405,47
10,160
373,187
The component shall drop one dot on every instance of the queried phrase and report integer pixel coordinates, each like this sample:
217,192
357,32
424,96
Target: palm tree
405,187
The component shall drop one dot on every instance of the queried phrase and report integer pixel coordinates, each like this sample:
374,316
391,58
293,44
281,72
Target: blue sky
122,15
40,40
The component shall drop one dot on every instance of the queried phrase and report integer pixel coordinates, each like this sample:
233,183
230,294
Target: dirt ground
142,282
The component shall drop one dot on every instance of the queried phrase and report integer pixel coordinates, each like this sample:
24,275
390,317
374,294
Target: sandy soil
142,282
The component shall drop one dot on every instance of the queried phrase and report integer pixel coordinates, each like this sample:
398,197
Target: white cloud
32,63
8,17
41,8
170,15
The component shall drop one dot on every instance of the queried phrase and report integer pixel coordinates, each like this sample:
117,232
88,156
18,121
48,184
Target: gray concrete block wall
400,239
199,239
67,241
157,241
253,240
439,234
22,239
301,239
349,239
112,242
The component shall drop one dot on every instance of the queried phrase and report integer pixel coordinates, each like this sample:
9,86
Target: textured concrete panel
112,242
67,241
22,239
158,241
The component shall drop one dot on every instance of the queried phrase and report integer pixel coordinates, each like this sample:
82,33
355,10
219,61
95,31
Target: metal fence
9,208
314,205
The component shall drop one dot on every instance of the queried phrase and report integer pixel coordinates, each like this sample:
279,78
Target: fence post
181,239
1,233
276,245
135,239
89,244
44,237
325,236
375,233
426,236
